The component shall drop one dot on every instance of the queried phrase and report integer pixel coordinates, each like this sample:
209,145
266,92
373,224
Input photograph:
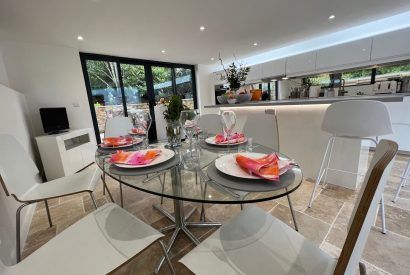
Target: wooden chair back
365,208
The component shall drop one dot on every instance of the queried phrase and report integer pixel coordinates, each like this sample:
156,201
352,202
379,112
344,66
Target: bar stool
354,119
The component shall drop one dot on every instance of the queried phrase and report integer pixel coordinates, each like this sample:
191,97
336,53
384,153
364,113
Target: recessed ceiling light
80,38
284,78
163,51
255,43
202,28
212,59
332,16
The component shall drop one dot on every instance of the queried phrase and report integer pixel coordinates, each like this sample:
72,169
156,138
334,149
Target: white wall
49,76
15,120
205,87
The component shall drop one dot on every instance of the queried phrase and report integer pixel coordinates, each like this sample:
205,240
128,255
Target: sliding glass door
117,86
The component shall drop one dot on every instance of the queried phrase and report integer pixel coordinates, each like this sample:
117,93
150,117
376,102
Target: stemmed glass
143,120
189,120
228,120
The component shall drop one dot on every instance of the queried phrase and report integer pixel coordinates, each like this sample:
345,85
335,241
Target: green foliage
235,74
402,69
175,107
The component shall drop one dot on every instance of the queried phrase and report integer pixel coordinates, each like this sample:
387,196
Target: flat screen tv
54,120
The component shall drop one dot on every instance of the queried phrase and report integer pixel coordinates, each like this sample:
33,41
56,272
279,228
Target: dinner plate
165,155
227,165
135,142
211,140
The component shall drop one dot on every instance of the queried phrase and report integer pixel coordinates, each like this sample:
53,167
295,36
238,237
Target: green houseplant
171,115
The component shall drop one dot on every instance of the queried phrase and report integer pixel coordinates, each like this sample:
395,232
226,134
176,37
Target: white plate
165,155
227,165
136,142
211,140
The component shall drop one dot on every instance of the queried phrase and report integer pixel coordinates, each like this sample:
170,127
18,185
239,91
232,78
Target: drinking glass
143,120
189,121
228,120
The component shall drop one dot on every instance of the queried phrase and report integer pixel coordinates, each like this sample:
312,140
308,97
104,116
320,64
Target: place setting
253,172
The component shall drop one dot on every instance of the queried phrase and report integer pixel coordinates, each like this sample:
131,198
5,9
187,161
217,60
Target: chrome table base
179,220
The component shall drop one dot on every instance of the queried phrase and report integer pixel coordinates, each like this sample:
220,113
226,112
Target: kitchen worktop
319,100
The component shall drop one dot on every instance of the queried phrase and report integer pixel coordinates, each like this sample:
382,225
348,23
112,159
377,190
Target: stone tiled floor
325,223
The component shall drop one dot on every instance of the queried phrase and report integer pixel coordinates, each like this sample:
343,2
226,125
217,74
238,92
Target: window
322,80
357,77
385,73
117,85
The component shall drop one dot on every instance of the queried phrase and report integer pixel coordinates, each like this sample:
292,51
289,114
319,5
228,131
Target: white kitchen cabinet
393,45
274,68
66,153
352,53
300,64
255,73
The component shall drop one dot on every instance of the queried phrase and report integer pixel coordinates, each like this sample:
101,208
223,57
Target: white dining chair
263,128
255,242
99,243
18,176
210,124
116,127
356,120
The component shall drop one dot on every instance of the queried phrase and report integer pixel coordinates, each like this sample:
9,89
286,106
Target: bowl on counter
222,99
231,100
243,98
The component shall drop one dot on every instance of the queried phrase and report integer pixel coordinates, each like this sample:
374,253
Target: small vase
174,130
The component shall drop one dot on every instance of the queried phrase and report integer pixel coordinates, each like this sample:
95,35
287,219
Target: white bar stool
354,119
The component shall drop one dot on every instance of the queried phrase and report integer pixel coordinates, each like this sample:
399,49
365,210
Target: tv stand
57,132
65,153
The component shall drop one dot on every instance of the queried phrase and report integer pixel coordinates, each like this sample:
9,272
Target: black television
54,120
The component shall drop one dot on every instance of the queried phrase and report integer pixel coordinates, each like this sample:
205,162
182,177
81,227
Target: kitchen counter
319,100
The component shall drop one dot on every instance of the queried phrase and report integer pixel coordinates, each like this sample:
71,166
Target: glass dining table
198,180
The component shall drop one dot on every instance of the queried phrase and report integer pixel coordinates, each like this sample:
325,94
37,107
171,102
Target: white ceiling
142,28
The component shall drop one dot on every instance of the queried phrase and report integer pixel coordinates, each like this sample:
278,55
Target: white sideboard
66,153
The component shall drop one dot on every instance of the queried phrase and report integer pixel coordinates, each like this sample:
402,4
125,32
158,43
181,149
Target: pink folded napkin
135,157
234,138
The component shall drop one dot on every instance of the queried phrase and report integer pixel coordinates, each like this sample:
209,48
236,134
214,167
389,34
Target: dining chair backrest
117,126
357,118
365,209
210,123
263,128
18,171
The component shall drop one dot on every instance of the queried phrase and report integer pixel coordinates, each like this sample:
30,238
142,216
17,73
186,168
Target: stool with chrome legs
363,120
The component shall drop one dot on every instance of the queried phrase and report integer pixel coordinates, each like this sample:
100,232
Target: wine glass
228,120
189,121
143,120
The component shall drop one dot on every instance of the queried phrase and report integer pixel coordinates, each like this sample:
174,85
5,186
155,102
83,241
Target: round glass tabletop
195,178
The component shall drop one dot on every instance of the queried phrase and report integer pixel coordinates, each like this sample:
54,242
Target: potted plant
171,115
235,74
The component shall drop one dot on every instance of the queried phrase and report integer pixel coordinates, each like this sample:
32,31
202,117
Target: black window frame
84,56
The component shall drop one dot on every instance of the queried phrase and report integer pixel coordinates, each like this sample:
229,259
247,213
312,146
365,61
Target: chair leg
362,268
383,215
93,200
403,180
121,197
18,246
292,212
162,181
164,251
48,213
321,172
